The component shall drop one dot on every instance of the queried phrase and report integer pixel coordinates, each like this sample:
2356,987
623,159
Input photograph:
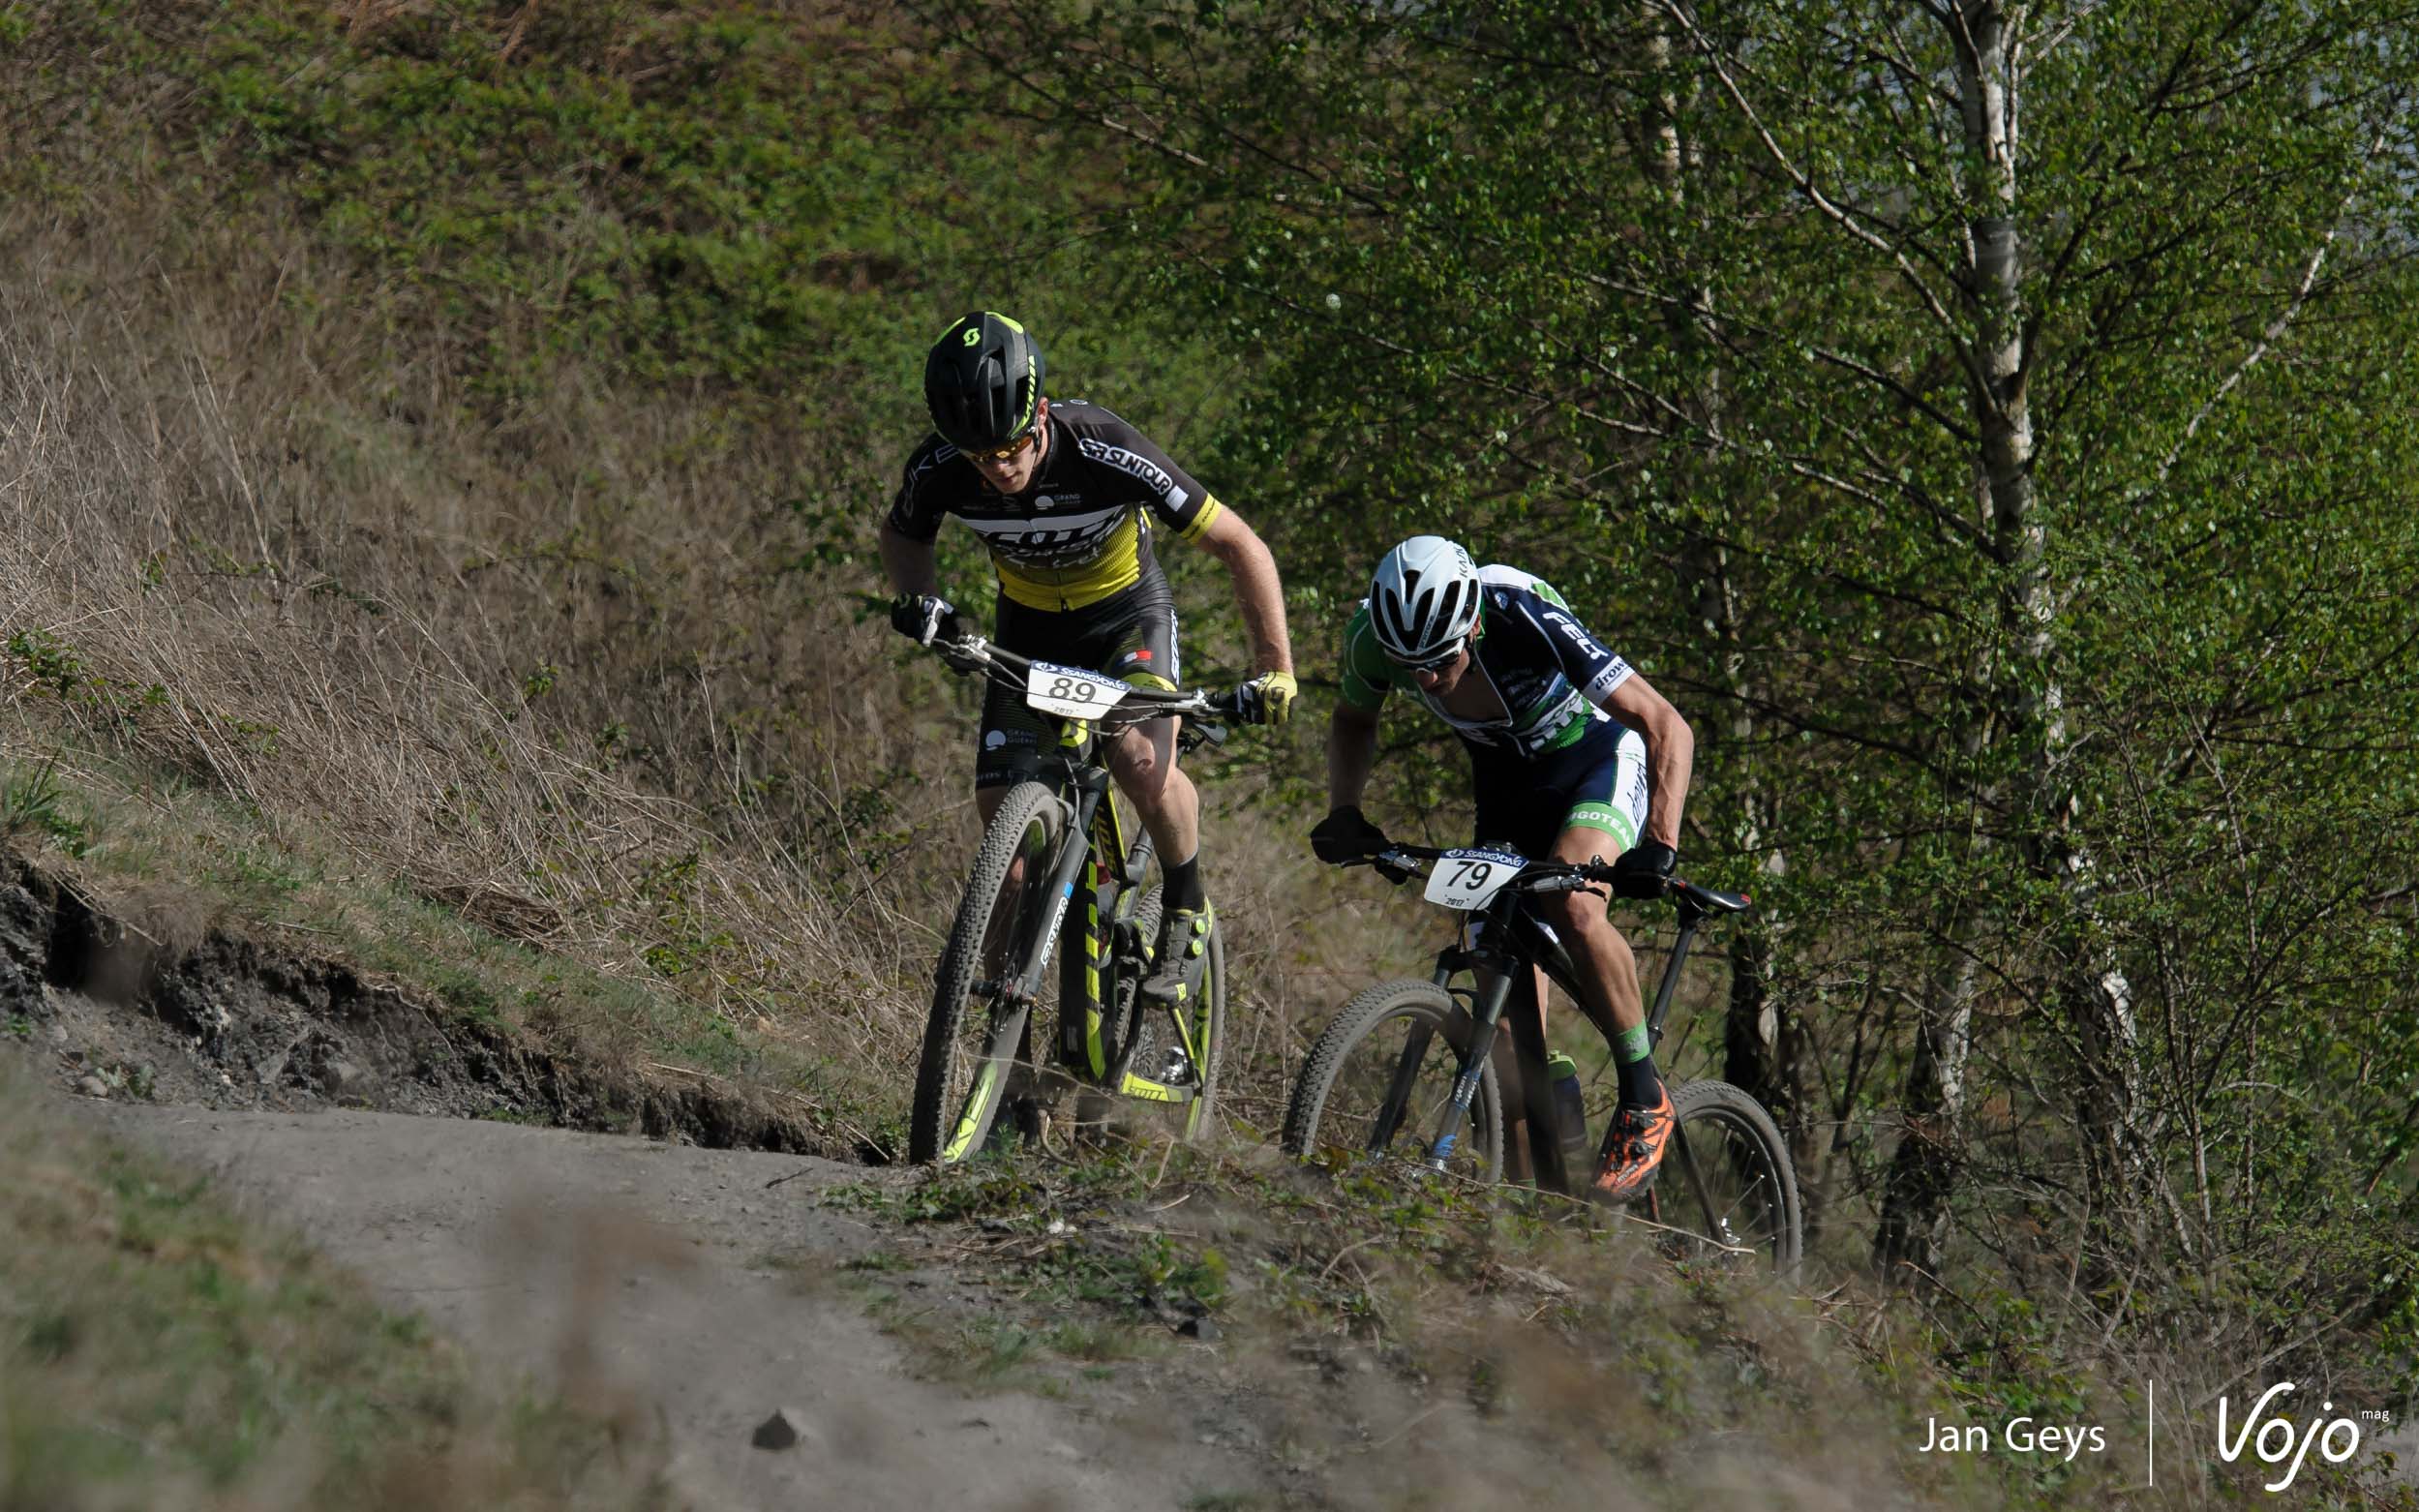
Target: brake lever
964,657
1195,734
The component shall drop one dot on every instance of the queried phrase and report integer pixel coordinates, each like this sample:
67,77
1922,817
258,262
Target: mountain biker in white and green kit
1065,496
1572,757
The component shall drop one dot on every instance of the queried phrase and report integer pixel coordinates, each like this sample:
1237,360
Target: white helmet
1424,599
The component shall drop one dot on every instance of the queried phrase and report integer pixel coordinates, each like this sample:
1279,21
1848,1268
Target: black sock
1183,884
1640,1086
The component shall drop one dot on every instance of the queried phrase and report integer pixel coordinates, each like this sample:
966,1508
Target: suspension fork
1074,850
1108,904
1398,1101
1486,1012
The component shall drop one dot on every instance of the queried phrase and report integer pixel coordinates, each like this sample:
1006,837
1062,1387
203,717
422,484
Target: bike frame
1094,827
1508,939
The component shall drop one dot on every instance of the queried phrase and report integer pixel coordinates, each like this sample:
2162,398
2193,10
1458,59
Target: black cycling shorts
1596,782
1129,635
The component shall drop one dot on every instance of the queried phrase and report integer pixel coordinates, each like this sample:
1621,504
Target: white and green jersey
1550,673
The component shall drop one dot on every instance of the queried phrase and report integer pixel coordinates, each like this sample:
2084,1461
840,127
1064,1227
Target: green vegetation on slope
439,443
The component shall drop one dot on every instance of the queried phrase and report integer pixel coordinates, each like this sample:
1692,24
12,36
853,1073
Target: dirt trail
673,1284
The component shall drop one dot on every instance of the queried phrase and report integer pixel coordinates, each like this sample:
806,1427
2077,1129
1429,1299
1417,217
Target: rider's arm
1258,590
913,524
1352,750
908,562
1671,752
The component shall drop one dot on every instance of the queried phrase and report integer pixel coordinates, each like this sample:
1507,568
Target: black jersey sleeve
1592,669
918,507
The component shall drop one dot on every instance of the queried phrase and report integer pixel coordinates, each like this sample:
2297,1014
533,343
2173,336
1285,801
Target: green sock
1633,1055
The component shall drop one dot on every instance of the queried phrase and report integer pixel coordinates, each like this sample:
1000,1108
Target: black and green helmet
982,382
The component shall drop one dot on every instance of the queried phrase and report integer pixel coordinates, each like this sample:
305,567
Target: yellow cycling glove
1268,698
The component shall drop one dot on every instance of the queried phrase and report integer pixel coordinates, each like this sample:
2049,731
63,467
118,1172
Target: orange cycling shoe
1639,1136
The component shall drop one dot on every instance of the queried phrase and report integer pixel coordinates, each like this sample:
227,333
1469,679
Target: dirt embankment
140,1007
686,1294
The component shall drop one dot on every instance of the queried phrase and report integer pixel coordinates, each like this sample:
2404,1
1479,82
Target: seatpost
1689,916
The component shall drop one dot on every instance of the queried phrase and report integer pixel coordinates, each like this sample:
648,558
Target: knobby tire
1746,1165
957,1047
1410,1006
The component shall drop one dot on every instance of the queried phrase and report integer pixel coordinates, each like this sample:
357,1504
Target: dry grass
604,724
562,676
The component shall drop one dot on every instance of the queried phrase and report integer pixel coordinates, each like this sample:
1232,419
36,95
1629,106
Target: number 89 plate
1470,879
1071,692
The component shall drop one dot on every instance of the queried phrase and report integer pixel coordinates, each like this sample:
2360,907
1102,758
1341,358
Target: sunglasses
1436,663
1010,452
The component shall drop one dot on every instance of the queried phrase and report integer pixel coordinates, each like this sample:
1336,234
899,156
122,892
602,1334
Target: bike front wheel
1728,1189
974,1059
1380,1079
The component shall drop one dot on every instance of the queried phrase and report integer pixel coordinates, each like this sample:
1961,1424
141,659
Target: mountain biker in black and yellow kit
1066,494
1572,757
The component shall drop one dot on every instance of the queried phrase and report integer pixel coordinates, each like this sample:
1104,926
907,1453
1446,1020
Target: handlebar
1403,862
1136,704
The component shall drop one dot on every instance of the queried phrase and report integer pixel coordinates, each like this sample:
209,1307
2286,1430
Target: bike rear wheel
1726,1188
1129,1028
1378,1082
974,1059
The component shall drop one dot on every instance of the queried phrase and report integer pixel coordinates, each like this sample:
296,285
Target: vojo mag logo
2279,1441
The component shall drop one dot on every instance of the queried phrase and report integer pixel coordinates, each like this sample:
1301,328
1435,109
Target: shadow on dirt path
670,1285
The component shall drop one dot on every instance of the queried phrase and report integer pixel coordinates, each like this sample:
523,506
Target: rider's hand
1645,870
1345,834
925,618
929,620
1266,699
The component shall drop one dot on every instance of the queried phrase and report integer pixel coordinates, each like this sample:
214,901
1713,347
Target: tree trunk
1761,1050
1923,1170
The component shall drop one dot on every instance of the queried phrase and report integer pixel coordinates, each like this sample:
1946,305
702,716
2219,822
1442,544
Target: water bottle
1570,1111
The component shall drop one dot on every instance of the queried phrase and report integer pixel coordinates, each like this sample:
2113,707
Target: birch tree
1971,435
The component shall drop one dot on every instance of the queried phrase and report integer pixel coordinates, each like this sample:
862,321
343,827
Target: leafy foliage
1999,505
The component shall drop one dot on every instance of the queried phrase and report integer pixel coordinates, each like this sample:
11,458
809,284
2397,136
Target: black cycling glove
925,618
1343,836
1645,870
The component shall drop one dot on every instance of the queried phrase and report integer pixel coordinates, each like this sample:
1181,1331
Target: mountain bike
1373,1090
1056,851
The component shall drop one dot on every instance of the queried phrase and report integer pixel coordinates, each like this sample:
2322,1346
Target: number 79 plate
1470,879
1071,692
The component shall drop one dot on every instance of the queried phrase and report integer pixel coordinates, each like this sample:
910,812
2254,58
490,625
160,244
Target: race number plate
1071,692
1470,879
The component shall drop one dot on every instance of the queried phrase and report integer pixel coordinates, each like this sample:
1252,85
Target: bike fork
1490,1011
1027,983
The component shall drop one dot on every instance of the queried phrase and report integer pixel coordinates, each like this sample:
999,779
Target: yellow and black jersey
1082,530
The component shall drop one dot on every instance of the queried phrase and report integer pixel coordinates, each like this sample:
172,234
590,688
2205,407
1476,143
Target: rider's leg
1143,762
1608,972
1144,765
